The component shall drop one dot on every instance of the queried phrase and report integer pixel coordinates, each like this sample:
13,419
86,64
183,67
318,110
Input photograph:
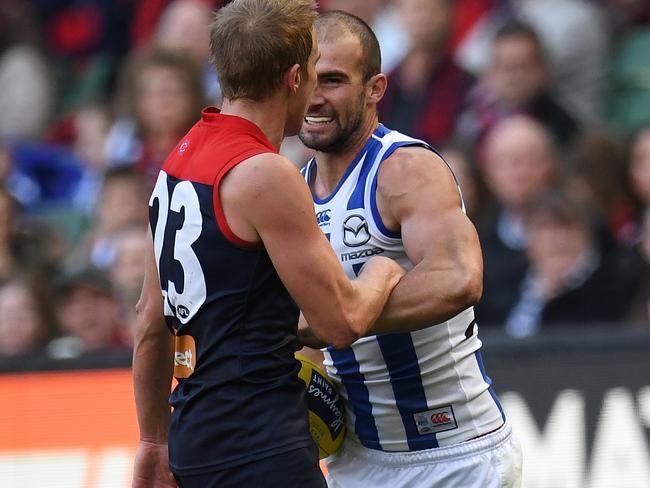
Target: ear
376,87
293,79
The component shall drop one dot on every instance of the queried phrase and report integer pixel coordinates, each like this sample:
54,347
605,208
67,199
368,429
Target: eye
331,80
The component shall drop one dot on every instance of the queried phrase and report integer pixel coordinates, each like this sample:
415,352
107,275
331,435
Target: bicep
441,235
423,198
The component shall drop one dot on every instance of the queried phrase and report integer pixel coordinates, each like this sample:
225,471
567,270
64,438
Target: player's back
238,397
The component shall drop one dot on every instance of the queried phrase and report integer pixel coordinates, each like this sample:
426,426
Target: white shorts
491,461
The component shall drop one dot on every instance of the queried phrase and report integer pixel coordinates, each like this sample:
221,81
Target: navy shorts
298,468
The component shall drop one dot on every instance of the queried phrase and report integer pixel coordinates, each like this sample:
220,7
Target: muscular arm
417,193
153,354
152,373
267,193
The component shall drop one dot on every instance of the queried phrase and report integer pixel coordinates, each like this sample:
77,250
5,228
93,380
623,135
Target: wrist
153,441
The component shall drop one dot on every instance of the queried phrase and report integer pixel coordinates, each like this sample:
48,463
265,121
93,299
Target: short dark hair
519,28
371,53
255,42
557,206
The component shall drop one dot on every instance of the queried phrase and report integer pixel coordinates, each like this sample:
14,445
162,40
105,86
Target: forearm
152,373
425,297
373,287
345,310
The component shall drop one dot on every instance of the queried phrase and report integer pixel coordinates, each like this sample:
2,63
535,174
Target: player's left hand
306,336
151,468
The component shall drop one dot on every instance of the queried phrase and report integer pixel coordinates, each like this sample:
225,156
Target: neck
332,166
270,115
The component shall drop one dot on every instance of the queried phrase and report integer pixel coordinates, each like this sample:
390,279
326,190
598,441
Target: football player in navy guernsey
420,408
235,250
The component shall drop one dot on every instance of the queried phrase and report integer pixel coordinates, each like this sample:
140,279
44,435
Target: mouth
318,120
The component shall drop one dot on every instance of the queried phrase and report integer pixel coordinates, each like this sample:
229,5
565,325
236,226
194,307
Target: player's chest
351,233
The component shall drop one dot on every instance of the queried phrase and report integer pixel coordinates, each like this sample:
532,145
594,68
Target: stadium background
86,116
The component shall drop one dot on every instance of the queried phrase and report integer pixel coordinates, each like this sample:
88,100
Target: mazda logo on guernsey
355,231
323,217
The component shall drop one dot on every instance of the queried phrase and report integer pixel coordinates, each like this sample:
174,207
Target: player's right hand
151,467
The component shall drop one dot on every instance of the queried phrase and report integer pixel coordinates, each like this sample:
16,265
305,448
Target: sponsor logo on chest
355,231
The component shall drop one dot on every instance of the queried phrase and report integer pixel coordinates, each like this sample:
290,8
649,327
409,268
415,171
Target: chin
310,142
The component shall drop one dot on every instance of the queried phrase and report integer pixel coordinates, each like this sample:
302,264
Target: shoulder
266,176
269,166
413,166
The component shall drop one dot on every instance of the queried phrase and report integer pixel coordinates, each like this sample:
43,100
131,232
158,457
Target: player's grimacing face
339,102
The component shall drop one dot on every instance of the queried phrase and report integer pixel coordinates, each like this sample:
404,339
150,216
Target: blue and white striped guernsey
408,391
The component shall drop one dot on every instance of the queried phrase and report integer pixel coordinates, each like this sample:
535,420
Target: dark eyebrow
334,73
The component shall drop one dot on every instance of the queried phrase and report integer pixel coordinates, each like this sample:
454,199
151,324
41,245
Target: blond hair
255,42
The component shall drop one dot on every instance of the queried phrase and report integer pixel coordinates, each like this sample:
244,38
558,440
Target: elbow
149,322
341,332
343,341
142,313
469,288
345,338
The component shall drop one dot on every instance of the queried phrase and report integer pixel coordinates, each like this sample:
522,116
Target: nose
317,97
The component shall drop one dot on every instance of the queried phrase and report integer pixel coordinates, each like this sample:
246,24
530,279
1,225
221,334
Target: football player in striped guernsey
420,408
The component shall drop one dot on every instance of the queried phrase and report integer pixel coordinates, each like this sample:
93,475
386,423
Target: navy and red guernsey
238,398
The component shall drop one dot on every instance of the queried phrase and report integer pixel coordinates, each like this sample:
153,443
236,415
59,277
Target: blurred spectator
639,312
639,166
639,175
122,204
515,82
475,45
59,180
468,17
86,41
41,175
147,16
521,165
25,246
576,37
127,271
599,180
426,90
184,27
27,321
67,169
91,125
569,280
163,93
89,314
383,19
25,86
468,177
629,107
624,15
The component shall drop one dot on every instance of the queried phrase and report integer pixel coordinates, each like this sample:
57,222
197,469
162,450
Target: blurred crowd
541,108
